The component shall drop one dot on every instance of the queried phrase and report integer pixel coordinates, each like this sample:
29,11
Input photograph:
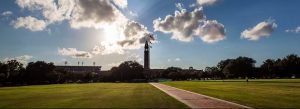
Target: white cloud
121,3
30,23
106,48
79,13
35,4
181,25
6,13
53,11
98,14
211,31
262,29
169,60
96,50
114,64
22,59
296,30
135,35
134,57
133,14
177,59
179,6
74,53
206,2
174,60
184,26
192,5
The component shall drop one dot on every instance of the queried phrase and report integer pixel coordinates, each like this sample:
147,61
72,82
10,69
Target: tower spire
146,56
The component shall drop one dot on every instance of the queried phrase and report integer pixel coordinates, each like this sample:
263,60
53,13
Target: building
80,69
146,57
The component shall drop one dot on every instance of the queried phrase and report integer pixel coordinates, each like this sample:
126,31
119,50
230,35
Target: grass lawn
98,95
274,93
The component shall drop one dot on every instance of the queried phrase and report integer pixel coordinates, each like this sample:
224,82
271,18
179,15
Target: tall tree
214,72
268,68
127,71
174,73
222,64
240,67
291,65
3,72
41,72
15,70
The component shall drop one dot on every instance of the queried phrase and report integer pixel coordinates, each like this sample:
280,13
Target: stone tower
146,56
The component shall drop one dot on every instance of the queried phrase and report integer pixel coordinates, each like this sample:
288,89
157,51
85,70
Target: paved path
195,100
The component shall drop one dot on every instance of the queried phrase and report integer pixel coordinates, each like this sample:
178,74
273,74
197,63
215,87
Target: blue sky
277,37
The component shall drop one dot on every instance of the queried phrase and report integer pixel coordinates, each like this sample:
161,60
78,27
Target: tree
268,68
240,67
222,64
41,72
282,68
15,70
174,73
291,65
3,72
191,74
127,71
214,72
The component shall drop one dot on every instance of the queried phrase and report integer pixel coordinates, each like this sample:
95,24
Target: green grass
95,95
272,93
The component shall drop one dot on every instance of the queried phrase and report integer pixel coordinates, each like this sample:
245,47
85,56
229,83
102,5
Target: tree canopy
128,71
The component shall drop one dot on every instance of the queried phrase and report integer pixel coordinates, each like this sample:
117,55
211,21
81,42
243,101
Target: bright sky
196,33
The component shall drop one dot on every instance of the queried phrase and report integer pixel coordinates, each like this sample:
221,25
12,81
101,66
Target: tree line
240,68
14,73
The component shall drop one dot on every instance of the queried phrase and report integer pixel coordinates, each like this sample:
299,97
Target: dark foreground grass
273,93
97,95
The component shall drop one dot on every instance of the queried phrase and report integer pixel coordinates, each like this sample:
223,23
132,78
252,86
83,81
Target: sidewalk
195,100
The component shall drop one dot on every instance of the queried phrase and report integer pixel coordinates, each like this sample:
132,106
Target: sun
111,33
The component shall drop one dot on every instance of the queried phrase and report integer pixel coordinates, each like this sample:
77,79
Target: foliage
13,73
239,67
281,68
128,71
41,72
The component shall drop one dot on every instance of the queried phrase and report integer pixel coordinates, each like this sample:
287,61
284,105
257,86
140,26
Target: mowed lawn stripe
259,94
94,95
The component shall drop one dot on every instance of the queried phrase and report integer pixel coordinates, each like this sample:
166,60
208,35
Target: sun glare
111,33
